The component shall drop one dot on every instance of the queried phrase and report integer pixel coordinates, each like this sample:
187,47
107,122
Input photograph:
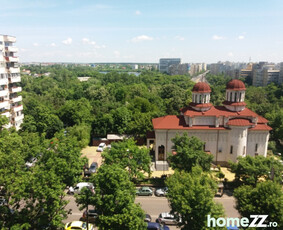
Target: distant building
195,68
10,102
180,69
164,64
135,67
228,131
265,73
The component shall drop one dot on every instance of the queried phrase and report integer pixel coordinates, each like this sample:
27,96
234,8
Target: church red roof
199,105
235,84
201,87
242,118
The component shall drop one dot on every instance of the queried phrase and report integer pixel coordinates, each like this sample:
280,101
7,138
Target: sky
91,31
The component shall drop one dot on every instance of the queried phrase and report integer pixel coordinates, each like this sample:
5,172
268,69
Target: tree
249,169
129,156
265,199
189,154
191,198
114,200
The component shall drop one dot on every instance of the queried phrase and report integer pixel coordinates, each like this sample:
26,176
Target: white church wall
203,120
259,138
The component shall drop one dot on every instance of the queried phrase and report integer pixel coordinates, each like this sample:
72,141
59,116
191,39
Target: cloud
179,38
87,41
138,12
53,44
68,41
216,37
230,54
141,38
35,44
241,37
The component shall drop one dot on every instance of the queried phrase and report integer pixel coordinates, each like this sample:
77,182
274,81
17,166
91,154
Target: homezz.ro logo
258,221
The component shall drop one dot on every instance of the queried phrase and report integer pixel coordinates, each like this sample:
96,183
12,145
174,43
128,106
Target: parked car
101,147
156,226
161,191
167,218
92,215
144,191
92,169
78,225
77,189
147,218
31,162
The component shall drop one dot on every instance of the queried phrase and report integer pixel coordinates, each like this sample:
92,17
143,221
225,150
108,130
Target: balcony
16,89
11,49
14,70
17,108
3,70
13,59
16,99
4,93
15,79
4,104
6,113
3,81
19,118
8,38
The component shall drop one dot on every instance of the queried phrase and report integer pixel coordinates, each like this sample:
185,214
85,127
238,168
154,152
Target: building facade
228,131
164,64
10,102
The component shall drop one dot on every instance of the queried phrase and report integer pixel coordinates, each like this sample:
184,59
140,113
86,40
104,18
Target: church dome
235,84
201,87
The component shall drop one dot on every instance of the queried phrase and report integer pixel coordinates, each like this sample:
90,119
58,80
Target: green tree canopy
191,197
250,169
114,200
129,156
189,154
265,199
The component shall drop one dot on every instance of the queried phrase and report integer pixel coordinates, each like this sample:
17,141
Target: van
79,187
156,226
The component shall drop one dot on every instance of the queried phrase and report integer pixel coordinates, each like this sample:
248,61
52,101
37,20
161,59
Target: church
228,131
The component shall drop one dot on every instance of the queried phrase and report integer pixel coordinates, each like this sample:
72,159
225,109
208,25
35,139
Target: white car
167,218
101,147
79,187
161,191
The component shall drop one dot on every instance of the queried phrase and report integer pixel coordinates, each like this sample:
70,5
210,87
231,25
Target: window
200,98
231,149
235,97
240,98
256,146
231,96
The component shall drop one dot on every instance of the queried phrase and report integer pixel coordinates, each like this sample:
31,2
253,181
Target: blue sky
144,31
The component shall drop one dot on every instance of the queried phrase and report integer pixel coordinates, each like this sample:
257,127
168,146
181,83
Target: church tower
235,96
201,97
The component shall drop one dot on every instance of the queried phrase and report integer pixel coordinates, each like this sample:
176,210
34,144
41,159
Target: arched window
231,97
200,99
240,98
161,152
235,97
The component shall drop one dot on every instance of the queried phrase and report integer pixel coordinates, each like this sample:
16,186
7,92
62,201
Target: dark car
156,226
92,215
93,167
147,218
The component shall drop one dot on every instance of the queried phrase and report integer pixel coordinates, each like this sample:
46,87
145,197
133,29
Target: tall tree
265,199
129,156
191,198
114,200
189,153
249,169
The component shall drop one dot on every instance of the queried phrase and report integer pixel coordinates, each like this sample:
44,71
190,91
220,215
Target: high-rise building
10,102
264,74
164,64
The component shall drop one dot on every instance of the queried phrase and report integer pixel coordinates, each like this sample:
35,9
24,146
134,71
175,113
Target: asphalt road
154,206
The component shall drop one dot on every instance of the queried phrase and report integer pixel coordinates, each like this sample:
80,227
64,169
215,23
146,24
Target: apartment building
164,64
265,73
10,79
